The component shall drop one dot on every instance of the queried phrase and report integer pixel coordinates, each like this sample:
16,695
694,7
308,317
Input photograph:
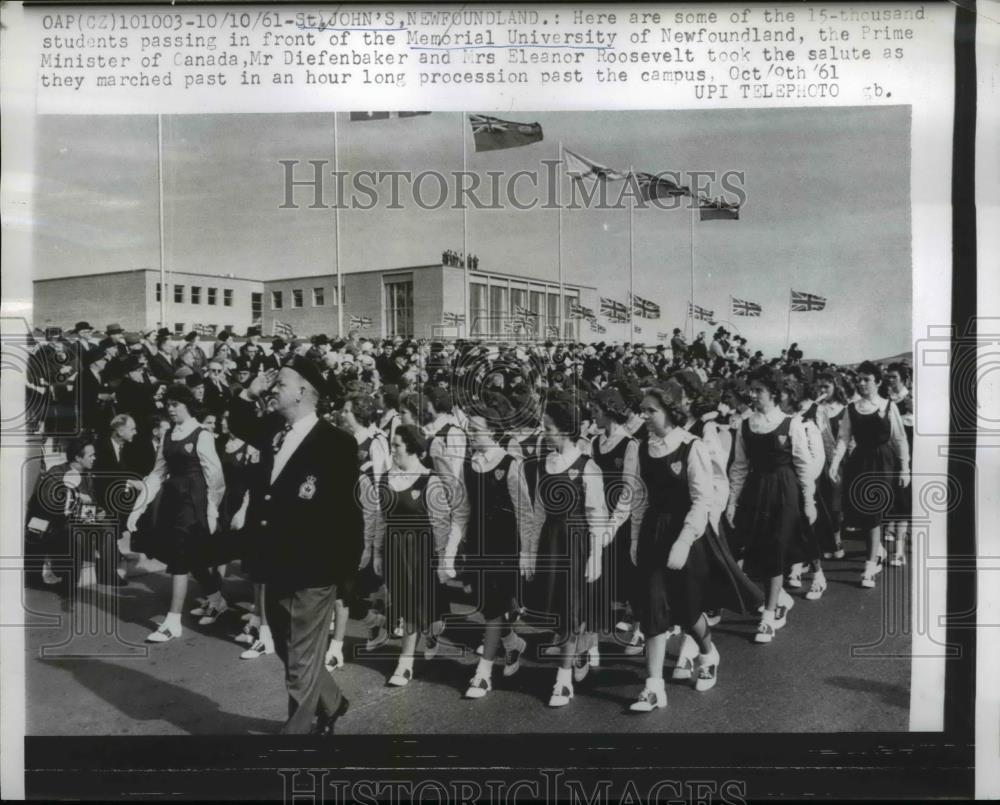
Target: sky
827,209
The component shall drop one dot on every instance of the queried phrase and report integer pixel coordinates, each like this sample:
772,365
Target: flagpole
466,290
788,330
336,233
693,211
631,278
559,246
159,182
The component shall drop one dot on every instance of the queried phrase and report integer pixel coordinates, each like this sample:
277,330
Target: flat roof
474,274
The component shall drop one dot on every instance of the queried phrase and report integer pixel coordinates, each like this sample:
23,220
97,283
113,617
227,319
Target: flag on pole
597,327
645,309
579,168
699,312
282,329
362,116
615,311
493,134
205,330
717,210
453,319
741,307
525,313
637,328
653,186
578,311
552,330
806,302
663,336
361,322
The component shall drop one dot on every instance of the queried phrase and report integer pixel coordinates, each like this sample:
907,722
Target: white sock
655,684
768,616
173,620
337,645
710,658
485,669
511,639
405,662
265,633
564,677
784,599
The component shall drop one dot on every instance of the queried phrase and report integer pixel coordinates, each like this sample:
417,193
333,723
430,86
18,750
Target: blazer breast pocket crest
782,439
189,447
308,488
499,474
676,467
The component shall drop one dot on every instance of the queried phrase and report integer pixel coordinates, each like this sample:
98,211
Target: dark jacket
110,476
305,529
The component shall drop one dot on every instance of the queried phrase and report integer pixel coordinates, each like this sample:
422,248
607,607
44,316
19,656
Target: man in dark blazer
117,482
305,530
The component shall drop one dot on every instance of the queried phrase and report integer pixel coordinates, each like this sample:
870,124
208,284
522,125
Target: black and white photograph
378,434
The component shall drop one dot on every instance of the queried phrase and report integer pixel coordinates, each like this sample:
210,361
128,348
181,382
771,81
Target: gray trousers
300,624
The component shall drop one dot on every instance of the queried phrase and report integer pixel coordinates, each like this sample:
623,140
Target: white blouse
802,459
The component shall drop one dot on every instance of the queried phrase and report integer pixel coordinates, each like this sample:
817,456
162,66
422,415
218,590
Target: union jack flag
597,327
663,336
741,307
645,309
805,302
717,210
578,167
552,330
453,319
614,311
578,311
361,322
699,312
522,311
282,329
206,330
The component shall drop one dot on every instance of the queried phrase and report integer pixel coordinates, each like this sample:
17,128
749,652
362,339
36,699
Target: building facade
423,301
132,299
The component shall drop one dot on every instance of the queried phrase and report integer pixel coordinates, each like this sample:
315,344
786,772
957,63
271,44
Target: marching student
569,504
417,506
830,402
683,566
881,451
896,377
496,503
188,477
771,470
616,453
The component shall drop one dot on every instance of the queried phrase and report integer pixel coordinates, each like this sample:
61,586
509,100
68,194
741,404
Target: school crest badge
189,447
530,449
414,493
619,463
308,488
676,467
572,474
782,439
499,474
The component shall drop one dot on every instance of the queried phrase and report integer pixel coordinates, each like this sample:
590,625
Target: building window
256,305
178,293
276,300
195,294
297,297
480,323
499,312
212,294
179,328
159,292
318,297
553,310
399,307
227,297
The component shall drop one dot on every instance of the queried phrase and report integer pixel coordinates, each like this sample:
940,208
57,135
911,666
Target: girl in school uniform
569,504
683,566
830,402
881,452
896,377
770,475
420,534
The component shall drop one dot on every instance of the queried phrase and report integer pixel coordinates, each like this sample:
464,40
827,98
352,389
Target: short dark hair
362,407
668,403
901,368
611,402
770,378
869,368
565,416
412,439
390,395
76,447
440,399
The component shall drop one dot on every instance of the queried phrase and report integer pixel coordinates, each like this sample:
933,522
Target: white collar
439,422
184,430
669,443
608,441
486,460
365,433
902,395
305,424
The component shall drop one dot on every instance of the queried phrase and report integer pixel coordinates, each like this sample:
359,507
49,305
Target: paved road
806,680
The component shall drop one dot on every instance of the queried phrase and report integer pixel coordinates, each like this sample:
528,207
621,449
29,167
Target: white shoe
561,694
765,631
400,629
684,668
624,626
480,649
795,577
706,671
868,576
199,610
594,657
637,644
246,638
164,633
817,588
840,553
258,649
211,614
897,561
478,687
512,656
48,577
648,701
401,677
581,666
377,633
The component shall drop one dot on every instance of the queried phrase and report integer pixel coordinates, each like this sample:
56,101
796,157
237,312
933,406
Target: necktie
279,438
